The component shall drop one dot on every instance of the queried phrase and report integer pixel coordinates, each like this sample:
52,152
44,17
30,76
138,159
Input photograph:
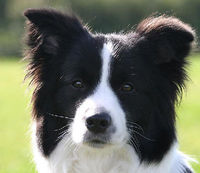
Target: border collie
105,103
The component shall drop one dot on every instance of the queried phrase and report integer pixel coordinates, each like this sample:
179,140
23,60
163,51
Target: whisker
134,131
61,135
130,122
62,127
60,116
135,127
132,142
77,147
68,144
135,144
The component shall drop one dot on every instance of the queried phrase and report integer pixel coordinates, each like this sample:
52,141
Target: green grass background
15,150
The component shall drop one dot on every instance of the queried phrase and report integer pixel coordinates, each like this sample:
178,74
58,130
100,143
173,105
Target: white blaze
102,97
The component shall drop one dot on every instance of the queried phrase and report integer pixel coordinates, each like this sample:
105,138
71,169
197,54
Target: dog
105,103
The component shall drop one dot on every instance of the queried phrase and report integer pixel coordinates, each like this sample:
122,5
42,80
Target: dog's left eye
78,84
127,87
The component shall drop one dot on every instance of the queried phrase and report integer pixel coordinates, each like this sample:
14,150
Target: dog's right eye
78,84
127,87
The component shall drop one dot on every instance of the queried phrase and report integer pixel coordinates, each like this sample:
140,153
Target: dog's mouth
96,143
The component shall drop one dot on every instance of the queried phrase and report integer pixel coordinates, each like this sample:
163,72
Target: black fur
155,54
52,70
152,57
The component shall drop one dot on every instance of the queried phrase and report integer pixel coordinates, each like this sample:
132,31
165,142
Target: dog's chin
90,140
96,143
97,140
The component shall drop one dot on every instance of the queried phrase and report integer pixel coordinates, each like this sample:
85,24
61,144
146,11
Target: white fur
103,97
71,156
42,164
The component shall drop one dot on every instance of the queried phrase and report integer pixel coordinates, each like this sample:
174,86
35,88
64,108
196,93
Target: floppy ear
50,34
171,37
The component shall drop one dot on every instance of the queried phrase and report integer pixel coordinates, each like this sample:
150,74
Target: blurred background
102,16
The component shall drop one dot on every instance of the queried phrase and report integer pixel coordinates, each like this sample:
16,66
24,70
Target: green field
15,153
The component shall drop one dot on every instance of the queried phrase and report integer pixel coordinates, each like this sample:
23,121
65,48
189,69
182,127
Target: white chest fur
87,160
67,158
115,162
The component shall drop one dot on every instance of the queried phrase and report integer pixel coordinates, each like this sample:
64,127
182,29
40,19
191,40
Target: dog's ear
48,29
50,34
167,41
170,37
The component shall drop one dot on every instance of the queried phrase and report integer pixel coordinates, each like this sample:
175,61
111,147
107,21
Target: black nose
98,123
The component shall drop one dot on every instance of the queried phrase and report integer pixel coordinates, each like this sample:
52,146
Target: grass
188,112
14,119
15,152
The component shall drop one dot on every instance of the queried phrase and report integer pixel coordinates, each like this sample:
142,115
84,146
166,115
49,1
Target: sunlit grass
189,114
15,153
14,119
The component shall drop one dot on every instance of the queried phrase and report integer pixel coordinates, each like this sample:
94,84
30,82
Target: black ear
48,29
50,35
170,37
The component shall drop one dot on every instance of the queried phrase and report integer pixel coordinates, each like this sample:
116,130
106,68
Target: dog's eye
127,87
78,84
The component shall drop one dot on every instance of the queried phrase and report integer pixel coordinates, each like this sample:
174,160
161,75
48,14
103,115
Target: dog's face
106,90
86,87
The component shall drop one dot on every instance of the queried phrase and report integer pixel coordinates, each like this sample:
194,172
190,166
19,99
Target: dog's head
106,90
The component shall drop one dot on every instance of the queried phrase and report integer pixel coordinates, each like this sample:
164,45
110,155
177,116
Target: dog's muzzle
99,129
98,123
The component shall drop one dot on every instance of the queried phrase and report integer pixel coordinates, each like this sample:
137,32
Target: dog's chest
114,163
100,161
